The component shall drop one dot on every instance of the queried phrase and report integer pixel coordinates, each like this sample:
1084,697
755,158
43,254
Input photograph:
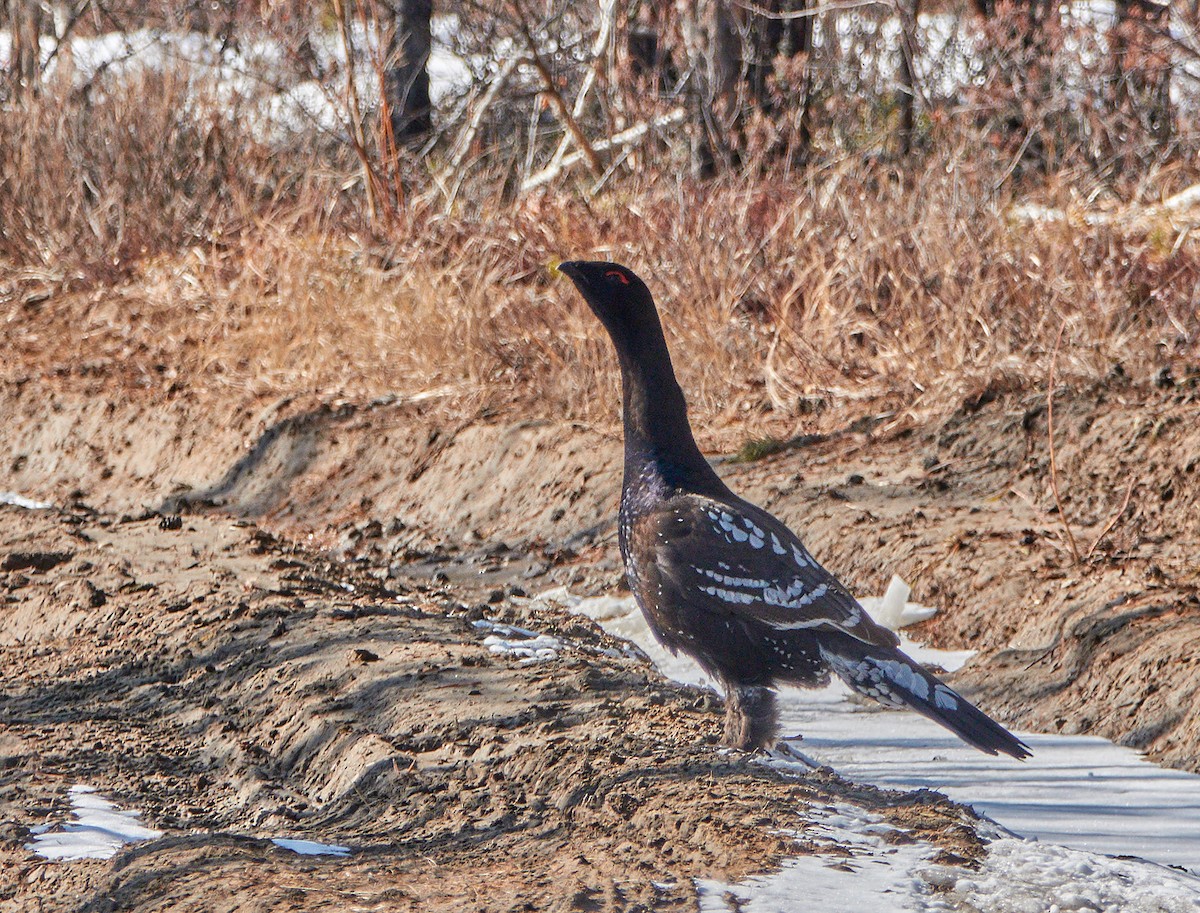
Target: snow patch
1082,792
251,78
310,847
16,500
99,830
862,871
530,646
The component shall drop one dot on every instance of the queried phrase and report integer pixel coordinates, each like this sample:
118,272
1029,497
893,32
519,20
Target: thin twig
1050,433
1111,523
353,112
556,100
385,140
816,10
450,178
1016,160
625,138
608,15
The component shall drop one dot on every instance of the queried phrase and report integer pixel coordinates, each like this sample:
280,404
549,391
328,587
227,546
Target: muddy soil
1095,631
296,656
234,687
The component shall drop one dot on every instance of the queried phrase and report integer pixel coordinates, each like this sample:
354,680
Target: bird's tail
891,678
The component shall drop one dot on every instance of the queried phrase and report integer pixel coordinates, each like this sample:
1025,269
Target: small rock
37,561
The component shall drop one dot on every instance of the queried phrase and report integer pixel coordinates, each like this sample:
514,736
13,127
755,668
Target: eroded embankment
234,689
1107,642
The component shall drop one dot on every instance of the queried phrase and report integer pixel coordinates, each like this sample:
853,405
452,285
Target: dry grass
167,255
99,177
787,298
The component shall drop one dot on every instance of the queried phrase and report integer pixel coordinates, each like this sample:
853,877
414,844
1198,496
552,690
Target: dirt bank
235,688
1106,642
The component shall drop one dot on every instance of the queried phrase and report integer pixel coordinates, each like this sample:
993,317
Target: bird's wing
736,559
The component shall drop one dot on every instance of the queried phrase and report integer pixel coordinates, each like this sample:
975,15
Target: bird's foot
785,751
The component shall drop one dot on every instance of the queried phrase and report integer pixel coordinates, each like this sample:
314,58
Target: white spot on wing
945,698
905,677
753,528
787,600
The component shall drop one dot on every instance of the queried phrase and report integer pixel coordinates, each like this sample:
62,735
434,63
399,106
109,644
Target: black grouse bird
722,579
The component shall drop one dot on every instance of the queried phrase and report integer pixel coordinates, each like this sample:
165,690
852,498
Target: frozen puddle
98,831
310,847
1079,795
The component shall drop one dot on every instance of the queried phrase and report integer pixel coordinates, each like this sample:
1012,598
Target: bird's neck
659,447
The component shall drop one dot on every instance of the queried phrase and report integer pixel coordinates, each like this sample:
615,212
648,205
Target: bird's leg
750,718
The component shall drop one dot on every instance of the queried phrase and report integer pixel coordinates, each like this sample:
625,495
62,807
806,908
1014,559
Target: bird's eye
615,275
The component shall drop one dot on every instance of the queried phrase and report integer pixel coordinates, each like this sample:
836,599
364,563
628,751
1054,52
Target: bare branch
819,10
1111,523
462,145
608,17
630,137
551,91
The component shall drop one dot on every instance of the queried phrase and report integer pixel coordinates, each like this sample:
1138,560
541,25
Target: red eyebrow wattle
620,275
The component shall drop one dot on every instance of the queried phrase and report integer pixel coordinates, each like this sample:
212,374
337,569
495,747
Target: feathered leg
750,717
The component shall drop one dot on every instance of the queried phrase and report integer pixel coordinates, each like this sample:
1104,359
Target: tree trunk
732,49
909,11
800,40
406,79
25,21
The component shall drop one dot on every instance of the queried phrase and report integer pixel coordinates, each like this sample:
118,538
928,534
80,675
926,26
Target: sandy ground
234,688
296,655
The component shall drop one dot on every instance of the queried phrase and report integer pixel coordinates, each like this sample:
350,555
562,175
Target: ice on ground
1016,876
310,847
16,500
876,875
530,646
1079,791
99,830
1022,876
1083,792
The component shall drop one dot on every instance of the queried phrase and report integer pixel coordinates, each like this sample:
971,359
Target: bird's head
614,293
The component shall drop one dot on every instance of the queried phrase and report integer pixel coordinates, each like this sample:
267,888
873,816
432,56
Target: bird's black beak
570,269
